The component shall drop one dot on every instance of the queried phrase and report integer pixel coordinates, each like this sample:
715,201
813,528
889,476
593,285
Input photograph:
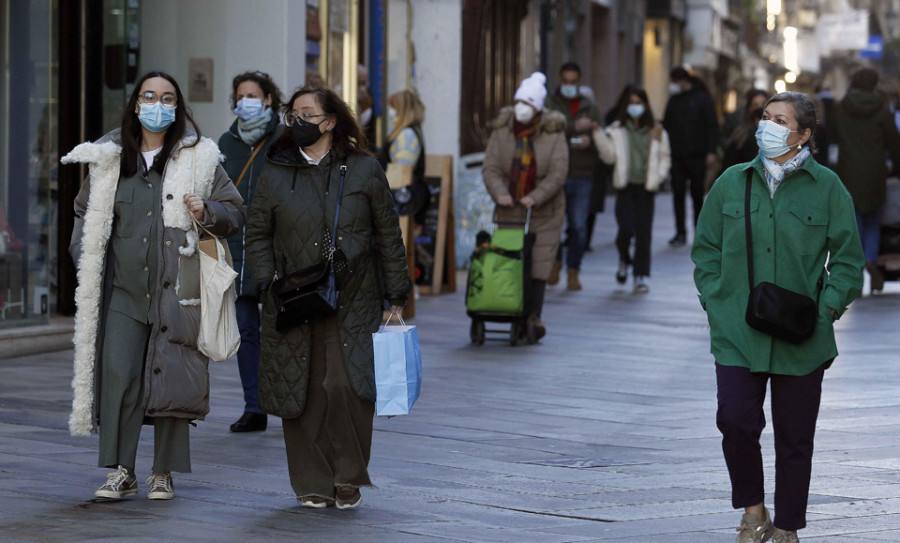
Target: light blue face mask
569,91
635,111
772,139
249,108
156,117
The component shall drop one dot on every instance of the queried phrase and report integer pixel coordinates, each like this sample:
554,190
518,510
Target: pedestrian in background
582,118
802,217
638,147
406,145
602,174
256,101
864,130
319,375
741,144
526,162
138,298
691,122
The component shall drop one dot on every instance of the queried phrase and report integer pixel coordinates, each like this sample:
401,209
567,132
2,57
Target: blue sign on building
874,50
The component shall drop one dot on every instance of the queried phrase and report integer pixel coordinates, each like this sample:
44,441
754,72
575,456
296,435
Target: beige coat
552,159
612,145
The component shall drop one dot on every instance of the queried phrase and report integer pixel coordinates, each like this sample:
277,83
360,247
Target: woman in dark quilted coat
319,375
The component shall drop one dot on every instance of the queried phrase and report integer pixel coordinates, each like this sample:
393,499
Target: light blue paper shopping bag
398,368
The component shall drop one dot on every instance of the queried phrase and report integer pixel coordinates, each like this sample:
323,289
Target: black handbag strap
748,229
821,281
337,211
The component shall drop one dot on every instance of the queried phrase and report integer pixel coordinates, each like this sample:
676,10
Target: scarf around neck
775,172
251,130
523,175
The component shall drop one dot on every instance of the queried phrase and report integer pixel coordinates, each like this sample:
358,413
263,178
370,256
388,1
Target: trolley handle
527,222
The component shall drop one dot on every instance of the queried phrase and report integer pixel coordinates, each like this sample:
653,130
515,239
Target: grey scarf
251,131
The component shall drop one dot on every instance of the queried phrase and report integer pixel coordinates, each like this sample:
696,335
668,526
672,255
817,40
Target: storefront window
28,159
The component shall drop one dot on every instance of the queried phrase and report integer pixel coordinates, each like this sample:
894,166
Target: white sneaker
640,284
161,487
119,484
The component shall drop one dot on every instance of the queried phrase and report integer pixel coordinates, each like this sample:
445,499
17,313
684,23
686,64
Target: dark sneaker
118,485
782,536
622,272
312,501
754,530
680,240
877,277
347,497
251,422
161,487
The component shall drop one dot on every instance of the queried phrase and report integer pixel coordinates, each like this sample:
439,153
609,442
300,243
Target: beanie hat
533,91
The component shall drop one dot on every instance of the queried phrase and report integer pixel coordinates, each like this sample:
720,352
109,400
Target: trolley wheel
476,332
530,333
514,330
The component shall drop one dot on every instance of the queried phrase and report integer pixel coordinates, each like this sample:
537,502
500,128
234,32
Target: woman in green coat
801,216
318,376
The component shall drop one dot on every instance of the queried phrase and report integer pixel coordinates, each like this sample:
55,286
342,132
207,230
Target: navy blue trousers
740,418
247,312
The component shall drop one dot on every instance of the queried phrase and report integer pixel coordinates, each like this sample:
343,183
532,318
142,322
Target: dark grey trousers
122,405
330,442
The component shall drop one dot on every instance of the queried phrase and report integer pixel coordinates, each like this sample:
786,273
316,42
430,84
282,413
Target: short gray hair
805,111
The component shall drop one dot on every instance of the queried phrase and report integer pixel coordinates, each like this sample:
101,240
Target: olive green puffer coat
285,232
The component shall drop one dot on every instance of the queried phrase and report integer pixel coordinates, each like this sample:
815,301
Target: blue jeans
869,225
247,312
578,207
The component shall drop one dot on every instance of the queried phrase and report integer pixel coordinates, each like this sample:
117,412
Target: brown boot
574,284
554,273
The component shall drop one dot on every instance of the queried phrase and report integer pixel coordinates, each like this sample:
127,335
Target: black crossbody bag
312,292
779,312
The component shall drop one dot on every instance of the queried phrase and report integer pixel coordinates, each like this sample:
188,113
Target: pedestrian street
605,431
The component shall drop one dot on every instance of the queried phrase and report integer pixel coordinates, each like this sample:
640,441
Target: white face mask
524,112
392,117
674,88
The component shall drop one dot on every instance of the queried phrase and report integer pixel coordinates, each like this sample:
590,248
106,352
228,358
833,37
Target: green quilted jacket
285,232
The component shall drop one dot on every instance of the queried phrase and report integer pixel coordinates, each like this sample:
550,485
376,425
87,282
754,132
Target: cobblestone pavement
603,432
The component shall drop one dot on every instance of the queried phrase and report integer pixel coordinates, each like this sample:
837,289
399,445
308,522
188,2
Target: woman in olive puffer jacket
319,375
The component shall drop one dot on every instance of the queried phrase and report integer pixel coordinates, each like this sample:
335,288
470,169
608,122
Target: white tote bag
219,337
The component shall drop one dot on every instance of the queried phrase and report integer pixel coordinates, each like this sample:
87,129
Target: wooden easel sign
435,247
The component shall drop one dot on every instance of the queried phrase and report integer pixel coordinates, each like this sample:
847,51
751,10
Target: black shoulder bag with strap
779,312
310,293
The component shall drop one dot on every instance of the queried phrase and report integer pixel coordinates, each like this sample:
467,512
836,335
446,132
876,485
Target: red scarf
523,175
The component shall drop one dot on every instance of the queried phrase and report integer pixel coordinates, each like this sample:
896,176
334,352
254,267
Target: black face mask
305,133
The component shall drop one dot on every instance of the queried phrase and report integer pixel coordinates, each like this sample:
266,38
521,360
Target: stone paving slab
603,432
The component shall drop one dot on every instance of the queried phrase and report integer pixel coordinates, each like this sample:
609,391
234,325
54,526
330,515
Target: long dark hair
647,120
131,129
265,83
346,138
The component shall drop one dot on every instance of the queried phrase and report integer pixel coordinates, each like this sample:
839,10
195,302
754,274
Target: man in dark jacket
582,117
693,129
863,130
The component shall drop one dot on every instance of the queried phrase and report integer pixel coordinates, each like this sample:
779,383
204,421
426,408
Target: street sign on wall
847,30
874,49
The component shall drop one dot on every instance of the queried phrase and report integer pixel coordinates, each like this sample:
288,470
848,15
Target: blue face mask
156,117
249,108
635,111
772,139
569,91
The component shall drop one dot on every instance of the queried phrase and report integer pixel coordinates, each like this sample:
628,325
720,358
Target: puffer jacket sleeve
388,239
81,203
259,247
495,174
706,251
604,145
555,180
224,209
844,282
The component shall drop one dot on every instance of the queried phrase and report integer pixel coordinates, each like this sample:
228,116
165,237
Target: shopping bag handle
391,316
